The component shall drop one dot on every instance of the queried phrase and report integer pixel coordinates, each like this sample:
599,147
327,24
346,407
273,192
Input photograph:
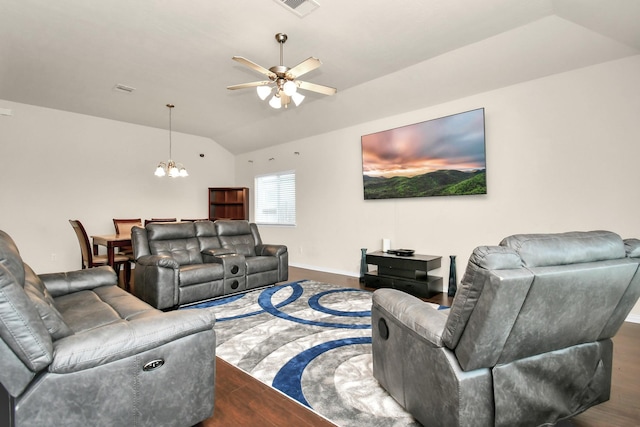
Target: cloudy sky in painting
452,142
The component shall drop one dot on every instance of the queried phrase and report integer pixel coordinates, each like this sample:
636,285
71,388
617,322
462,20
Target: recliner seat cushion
86,310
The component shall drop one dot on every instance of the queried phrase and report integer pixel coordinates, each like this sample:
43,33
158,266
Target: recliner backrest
539,293
21,327
175,239
207,235
236,235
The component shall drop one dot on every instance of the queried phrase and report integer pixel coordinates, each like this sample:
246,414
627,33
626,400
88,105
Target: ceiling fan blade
254,66
325,90
304,67
246,85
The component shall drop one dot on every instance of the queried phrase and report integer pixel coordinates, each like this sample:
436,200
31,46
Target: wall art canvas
439,157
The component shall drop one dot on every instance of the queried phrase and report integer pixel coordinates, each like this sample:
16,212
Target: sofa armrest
158,261
73,281
123,339
156,281
412,313
270,250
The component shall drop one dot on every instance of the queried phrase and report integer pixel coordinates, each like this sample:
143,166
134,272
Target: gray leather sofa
76,350
183,263
527,340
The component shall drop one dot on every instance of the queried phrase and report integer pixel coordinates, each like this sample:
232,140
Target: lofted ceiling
384,57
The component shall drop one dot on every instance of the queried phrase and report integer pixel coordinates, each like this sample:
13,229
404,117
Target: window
275,196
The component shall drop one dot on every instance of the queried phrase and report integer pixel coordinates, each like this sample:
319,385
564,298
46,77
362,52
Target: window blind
275,198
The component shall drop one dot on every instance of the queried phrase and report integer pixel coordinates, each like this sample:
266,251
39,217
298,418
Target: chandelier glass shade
170,167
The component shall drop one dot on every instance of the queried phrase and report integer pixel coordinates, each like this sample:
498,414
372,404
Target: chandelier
170,167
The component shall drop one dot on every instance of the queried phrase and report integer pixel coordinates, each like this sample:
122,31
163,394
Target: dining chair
90,260
124,226
147,221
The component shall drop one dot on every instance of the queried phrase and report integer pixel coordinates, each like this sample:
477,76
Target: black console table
405,273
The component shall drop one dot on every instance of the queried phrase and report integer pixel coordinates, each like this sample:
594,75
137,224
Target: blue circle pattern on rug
297,292
289,377
265,301
314,302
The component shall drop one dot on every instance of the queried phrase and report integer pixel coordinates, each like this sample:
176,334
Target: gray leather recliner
77,350
527,340
183,263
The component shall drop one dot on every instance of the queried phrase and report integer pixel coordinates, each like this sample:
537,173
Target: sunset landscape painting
440,157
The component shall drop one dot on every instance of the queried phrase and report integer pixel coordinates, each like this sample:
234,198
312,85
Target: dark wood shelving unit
228,203
406,273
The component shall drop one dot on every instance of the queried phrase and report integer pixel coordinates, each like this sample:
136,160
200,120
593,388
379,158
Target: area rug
311,341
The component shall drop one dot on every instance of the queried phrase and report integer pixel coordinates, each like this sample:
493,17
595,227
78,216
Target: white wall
562,154
58,166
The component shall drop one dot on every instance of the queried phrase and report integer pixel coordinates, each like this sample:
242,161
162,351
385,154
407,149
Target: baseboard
325,270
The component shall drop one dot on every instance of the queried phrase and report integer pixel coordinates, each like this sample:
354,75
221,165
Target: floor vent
300,7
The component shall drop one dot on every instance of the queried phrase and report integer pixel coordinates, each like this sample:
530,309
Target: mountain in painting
438,183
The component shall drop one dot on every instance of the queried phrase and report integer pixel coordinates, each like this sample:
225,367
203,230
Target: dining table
111,242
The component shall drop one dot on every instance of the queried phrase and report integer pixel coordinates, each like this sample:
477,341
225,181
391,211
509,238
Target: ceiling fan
283,79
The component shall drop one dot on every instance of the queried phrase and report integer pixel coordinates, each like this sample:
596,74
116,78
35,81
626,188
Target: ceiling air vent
123,88
300,7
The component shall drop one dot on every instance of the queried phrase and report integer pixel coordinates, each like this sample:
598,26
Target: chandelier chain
170,108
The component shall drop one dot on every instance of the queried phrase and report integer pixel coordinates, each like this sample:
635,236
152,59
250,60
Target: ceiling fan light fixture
289,88
263,92
282,78
275,102
297,98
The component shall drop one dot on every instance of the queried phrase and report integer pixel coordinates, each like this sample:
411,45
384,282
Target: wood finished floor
241,400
